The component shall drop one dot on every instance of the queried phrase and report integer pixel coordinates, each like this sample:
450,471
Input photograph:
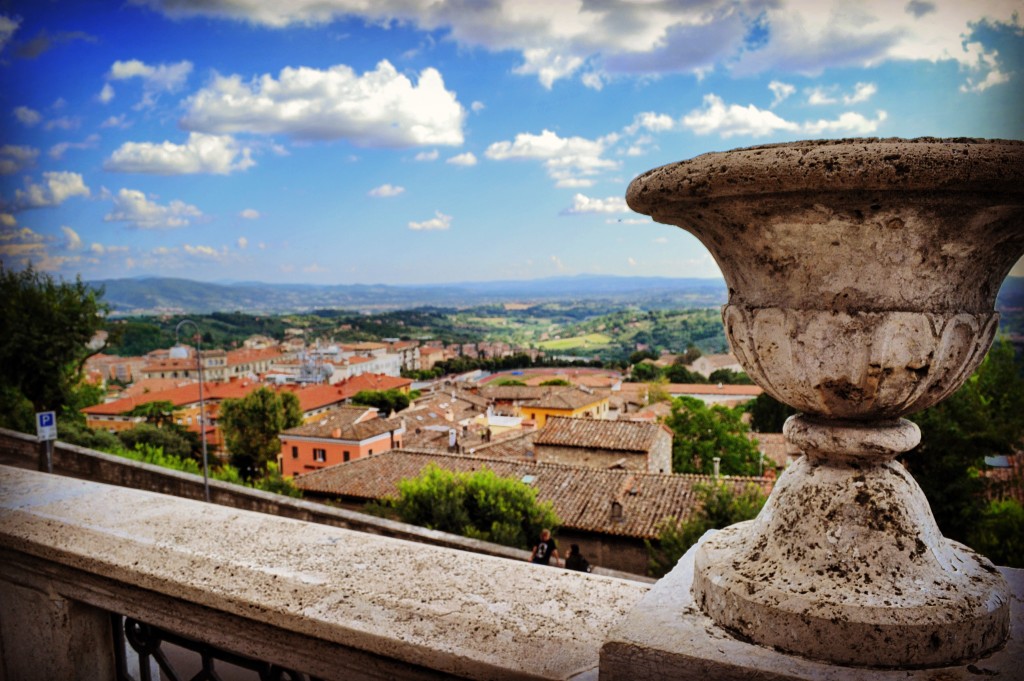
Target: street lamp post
178,352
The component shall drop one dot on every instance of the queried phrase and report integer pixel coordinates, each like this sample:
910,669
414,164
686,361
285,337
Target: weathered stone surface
862,276
667,636
454,612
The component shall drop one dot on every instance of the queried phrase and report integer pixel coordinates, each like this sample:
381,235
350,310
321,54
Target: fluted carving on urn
877,364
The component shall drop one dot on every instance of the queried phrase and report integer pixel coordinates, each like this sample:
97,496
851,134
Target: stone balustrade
330,602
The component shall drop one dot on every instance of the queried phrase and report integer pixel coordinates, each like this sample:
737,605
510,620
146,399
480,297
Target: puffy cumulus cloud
202,251
386,191
217,154
781,91
820,96
987,70
732,120
15,158
571,162
848,123
748,121
8,27
651,122
106,95
56,188
862,92
585,204
23,246
381,108
26,116
132,206
156,79
440,221
7,220
115,122
72,241
467,159
250,214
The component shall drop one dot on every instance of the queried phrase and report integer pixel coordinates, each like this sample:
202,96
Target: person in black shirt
545,549
575,560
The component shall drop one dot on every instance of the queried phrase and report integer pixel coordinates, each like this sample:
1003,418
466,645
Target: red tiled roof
626,436
712,389
582,497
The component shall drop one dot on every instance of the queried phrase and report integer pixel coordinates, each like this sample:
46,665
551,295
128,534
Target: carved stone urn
862,278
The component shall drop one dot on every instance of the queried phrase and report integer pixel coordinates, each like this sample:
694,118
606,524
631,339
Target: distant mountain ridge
155,295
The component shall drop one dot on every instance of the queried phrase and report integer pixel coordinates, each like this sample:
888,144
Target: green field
591,340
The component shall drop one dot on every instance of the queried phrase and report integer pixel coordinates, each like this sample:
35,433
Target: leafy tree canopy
556,382
172,439
47,328
701,433
479,504
767,414
386,401
251,425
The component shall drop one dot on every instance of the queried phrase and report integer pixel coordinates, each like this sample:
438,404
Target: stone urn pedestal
862,279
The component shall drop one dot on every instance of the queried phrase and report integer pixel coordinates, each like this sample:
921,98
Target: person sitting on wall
576,561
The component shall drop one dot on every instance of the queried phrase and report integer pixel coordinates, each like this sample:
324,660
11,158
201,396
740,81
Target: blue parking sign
46,425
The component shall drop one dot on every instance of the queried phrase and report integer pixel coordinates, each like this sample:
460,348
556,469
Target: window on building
295,451
371,452
345,456
319,454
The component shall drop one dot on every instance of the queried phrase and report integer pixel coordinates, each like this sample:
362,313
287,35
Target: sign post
46,432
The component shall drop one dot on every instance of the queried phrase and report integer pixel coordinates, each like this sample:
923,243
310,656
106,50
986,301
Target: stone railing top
456,612
828,165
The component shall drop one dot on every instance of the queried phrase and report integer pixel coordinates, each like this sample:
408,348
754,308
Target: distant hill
157,295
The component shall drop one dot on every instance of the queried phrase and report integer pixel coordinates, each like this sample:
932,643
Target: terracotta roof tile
582,497
712,389
626,436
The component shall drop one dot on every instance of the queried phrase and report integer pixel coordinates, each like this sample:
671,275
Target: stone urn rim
850,164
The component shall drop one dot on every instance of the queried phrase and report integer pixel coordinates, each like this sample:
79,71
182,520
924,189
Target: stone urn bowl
862,278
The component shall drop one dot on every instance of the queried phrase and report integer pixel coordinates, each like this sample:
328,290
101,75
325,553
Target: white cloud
250,214
202,251
557,262
661,240
585,204
155,79
218,154
548,64
848,123
631,262
72,241
132,206
7,220
115,122
477,107
63,123
106,95
651,122
431,155
439,221
7,28
26,116
987,71
57,187
57,150
571,162
15,158
381,108
862,92
22,245
243,243
466,159
782,91
386,191
819,96
732,120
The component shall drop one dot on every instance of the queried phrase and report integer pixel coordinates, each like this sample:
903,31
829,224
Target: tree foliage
718,506
767,414
386,401
701,433
999,533
477,504
172,439
251,425
47,328
983,418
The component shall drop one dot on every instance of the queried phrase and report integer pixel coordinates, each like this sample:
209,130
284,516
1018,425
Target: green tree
172,440
477,504
767,414
556,382
251,425
44,344
718,506
701,433
643,372
386,401
999,533
158,413
985,417
677,373
729,377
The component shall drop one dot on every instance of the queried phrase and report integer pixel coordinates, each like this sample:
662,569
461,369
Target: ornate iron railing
147,642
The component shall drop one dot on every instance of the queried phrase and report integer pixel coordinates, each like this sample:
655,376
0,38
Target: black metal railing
147,642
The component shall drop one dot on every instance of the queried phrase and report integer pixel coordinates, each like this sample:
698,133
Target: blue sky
416,141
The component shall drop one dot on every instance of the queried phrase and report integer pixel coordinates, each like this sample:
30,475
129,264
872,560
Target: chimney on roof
336,433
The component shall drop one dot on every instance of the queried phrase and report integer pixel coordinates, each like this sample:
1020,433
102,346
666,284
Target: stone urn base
845,563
